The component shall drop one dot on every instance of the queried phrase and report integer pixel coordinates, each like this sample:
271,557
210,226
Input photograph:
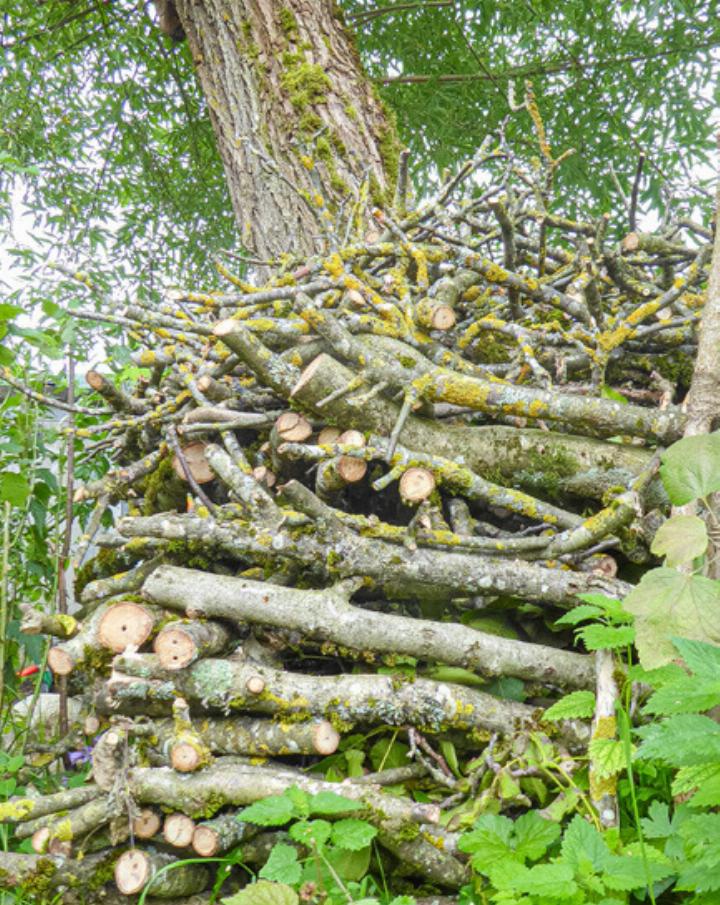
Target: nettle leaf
702,658
489,841
329,803
584,846
534,835
282,866
264,893
681,741
273,811
14,488
691,468
704,780
668,603
300,801
681,539
627,872
688,694
352,834
606,637
348,864
311,832
657,824
580,614
607,757
552,881
576,705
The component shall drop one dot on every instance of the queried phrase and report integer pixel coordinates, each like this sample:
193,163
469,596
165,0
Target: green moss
306,83
288,22
163,489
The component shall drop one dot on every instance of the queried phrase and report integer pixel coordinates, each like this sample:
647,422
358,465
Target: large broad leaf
264,893
668,603
680,539
14,488
282,866
691,468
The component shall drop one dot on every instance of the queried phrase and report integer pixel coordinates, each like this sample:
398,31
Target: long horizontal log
23,808
601,417
342,699
399,572
327,615
524,456
204,792
50,875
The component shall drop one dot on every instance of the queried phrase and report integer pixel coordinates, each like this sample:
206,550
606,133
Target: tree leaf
264,893
606,637
311,832
534,835
576,705
668,603
275,810
14,488
329,803
352,833
691,468
681,539
282,866
681,741
607,757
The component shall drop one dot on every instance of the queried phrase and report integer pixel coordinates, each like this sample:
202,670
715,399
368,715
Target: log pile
357,495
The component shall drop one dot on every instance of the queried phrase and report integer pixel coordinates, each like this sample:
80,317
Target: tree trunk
298,125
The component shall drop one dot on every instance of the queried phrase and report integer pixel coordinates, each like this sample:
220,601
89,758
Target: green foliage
691,468
681,539
611,78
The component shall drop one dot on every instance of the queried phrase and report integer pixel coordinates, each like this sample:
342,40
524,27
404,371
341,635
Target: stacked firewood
358,494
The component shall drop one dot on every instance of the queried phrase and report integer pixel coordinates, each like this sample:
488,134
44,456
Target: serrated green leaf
680,539
681,741
275,810
282,866
691,468
657,824
533,835
548,881
311,832
329,803
579,614
607,757
352,834
701,658
300,801
576,705
263,893
489,841
668,604
606,637
628,872
348,864
582,846
689,694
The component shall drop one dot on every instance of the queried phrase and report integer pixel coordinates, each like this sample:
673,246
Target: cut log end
185,758
175,648
125,624
308,373
255,685
60,661
95,380
416,485
194,455
351,470
291,427
40,839
326,738
328,435
146,824
226,327
264,476
631,242
206,841
178,830
132,871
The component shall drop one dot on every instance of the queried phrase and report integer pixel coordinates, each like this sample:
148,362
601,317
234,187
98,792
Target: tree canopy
106,141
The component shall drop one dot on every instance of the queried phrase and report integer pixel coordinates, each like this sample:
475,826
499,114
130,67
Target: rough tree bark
298,125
